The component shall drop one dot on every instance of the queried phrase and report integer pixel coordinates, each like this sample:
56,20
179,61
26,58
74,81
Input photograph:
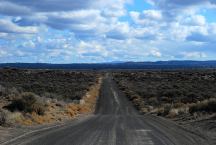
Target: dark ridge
116,65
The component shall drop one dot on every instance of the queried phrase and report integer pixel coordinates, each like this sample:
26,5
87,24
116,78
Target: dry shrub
87,104
23,103
144,110
204,106
160,111
84,109
51,95
27,122
38,108
164,110
173,113
14,117
3,117
27,103
41,119
72,110
9,118
183,110
178,105
153,101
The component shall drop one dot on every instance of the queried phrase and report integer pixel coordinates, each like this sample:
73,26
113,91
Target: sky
92,31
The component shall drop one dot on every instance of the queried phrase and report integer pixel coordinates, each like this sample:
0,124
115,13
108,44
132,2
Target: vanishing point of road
115,122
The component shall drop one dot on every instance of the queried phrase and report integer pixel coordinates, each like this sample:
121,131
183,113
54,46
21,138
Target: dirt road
115,122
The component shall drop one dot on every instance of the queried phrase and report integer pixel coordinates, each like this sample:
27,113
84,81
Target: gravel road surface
115,122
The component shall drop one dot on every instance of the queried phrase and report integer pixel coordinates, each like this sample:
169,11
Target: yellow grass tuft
27,122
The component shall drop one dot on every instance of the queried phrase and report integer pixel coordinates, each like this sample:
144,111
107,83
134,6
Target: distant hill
116,65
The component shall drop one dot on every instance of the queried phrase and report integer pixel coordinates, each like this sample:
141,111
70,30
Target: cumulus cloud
172,9
179,4
7,26
195,20
154,24
147,17
155,53
91,49
84,18
112,8
52,5
12,9
119,31
106,30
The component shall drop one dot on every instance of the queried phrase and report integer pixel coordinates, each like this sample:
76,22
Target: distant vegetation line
119,65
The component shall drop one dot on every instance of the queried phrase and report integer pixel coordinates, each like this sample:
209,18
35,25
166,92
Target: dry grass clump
8,118
71,110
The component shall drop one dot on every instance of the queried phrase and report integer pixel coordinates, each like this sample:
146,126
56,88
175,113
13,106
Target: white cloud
82,22
52,5
12,9
155,53
2,52
84,18
195,20
192,55
152,14
147,17
101,30
152,24
6,26
91,49
120,31
112,8
29,44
